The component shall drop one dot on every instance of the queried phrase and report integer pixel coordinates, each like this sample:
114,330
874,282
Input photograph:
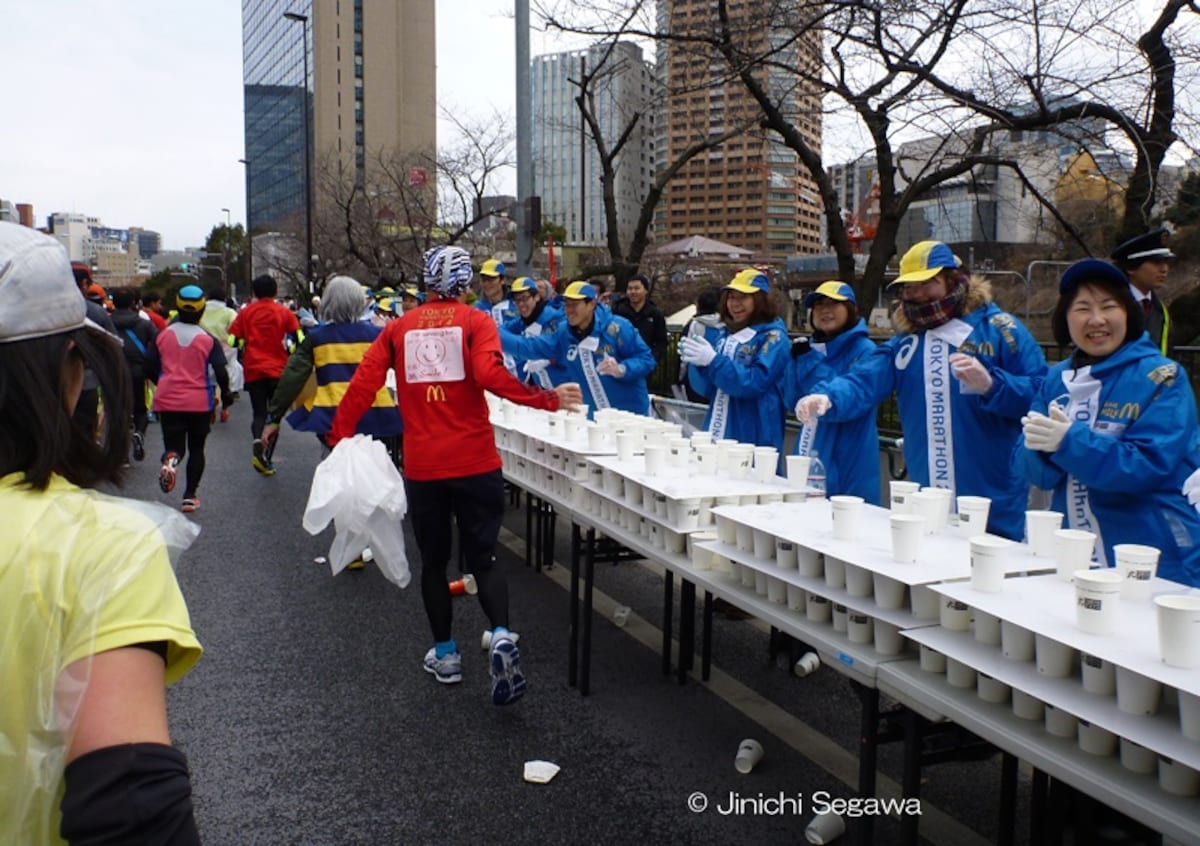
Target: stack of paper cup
1040,527
1136,565
1073,550
898,493
973,515
846,510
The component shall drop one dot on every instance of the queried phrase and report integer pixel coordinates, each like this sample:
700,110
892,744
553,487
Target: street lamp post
308,255
225,247
249,231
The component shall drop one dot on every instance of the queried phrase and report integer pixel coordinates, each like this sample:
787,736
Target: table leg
1037,808
687,627
589,577
1008,799
867,756
573,626
668,602
911,782
529,530
552,517
706,639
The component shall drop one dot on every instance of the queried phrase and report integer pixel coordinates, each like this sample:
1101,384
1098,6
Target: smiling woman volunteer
742,371
958,432
848,449
1113,430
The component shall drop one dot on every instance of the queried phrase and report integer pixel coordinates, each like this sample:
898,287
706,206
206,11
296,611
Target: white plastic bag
360,490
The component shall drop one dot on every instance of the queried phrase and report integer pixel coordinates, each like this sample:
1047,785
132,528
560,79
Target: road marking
937,826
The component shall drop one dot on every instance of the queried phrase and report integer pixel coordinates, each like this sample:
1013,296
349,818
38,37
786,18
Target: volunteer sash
720,406
939,427
587,349
1083,392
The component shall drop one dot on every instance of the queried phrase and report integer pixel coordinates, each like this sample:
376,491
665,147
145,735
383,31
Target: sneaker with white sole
139,447
508,682
485,642
166,476
447,669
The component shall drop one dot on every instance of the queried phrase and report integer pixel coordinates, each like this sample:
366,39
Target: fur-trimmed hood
979,294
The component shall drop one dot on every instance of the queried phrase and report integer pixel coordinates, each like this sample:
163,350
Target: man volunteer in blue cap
958,432
535,316
1146,260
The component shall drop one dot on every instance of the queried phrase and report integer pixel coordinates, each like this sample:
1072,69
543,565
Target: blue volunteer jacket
501,312
953,439
610,336
547,319
849,449
745,378
1121,469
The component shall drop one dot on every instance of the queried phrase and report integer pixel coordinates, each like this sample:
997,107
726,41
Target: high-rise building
566,163
371,90
752,191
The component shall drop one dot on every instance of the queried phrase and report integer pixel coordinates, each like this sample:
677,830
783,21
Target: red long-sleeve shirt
264,325
445,355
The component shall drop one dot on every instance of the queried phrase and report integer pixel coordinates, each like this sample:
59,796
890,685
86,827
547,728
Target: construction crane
860,224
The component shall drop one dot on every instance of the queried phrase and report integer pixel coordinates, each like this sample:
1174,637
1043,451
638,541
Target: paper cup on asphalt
846,511
1097,593
1054,659
1136,564
1073,550
906,536
1040,527
973,515
927,505
797,469
899,493
825,828
749,753
1179,630
989,559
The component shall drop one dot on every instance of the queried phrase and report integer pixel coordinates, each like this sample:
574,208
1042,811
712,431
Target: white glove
1043,433
536,366
609,366
696,351
970,371
811,407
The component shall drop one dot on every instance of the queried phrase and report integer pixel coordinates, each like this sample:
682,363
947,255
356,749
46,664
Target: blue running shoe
508,682
447,669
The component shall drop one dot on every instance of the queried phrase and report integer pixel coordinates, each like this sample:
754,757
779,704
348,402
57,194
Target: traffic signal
184,266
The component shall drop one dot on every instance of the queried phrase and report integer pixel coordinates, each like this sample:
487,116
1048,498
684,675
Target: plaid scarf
931,315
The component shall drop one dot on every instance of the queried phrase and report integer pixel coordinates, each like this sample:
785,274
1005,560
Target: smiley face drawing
434,355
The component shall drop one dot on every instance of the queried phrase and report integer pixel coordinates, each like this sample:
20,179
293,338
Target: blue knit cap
447,271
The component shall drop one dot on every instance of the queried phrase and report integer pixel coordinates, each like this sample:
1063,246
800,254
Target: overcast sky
131,110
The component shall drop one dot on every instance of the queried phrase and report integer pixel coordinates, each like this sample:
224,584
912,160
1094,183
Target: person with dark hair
92,622
1113,430
87,409
267,330
179,363
637,307
706,322
849,449
740,371
964,373
1146,260
535,317
153,309
137,335
217,318
451,466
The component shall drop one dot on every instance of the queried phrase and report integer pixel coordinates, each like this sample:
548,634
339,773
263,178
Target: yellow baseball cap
749,281
925,260
580,291
492,267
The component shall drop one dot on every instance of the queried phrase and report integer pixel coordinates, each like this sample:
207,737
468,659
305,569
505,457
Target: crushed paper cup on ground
540,772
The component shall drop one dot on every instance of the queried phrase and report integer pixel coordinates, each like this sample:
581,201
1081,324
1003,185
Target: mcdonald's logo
435,393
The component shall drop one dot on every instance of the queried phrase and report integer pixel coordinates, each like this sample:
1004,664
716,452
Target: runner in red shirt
264,327
446,354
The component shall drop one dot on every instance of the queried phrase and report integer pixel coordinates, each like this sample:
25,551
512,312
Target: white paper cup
764,545
835,572
1137,758
991,689
906,536
656,536
989,560
932,661
687,514
924,603
1016,642
846,511
702,559
929,506
839,618
626,442
633,494
660,504
1073,550
973,515
943,516
706,459
1059,723
599,437
723,564
770,498
1027,707
825,828
795,598
749,579
889,592
1099,676
724,451
572,426
1178,630
785,554
679,452
888,640
655,458
817,608
749,753
954,615
745,537
766,463
859,627
1040,527
858,581
987,628
1137,694
1054,659
1136,564
741,460
776,590
809,562
1176,778
761,583
674,542
797,469
1097,593
726,529
898,494
1095,740
701,439
959,674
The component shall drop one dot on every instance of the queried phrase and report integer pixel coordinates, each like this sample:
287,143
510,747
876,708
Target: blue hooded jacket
953,438
548,319
610,336
1121,469
849,449
750,378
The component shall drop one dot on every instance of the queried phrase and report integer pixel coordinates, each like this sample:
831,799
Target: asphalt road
309,720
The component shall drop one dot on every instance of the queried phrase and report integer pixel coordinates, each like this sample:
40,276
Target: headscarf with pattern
447,271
